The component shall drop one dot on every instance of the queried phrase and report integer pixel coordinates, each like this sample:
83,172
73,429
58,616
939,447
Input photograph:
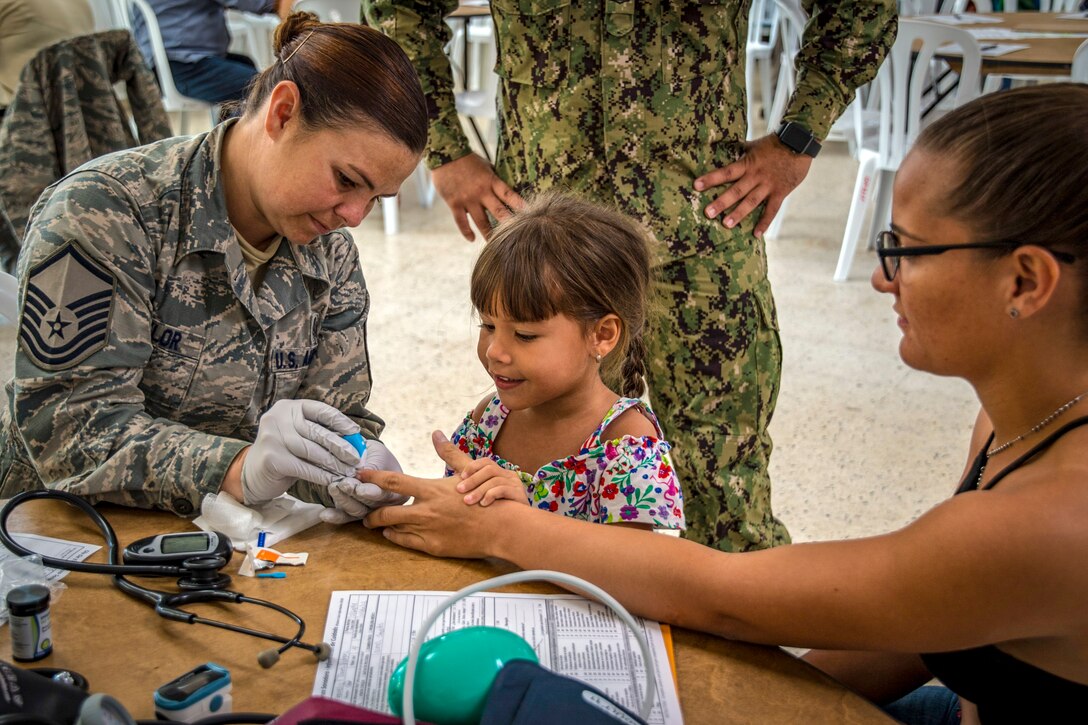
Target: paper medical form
53,548
370,633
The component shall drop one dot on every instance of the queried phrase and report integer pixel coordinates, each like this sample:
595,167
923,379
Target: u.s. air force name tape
66,314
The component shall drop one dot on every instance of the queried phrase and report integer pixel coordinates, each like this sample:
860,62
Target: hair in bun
347,74
293,28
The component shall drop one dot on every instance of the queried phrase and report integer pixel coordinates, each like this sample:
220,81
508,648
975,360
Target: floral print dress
627,479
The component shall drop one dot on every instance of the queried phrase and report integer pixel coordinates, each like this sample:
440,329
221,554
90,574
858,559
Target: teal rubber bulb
455,672
357,442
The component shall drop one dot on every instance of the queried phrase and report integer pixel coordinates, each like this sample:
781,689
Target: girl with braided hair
562,291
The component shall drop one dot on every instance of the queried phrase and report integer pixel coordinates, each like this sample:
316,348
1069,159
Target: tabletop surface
125,650
1045,56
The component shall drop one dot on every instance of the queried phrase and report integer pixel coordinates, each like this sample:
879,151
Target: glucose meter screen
184,544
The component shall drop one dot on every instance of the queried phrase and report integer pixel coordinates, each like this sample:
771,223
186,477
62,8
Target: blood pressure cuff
525,693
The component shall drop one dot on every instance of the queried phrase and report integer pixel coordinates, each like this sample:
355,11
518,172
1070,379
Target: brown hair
1023,162
346,74
564,255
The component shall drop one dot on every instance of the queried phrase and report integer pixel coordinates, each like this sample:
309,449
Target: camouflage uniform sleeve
844,43
420,29
340,372
83,420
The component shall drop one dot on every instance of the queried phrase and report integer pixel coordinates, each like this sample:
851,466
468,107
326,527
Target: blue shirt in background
193,29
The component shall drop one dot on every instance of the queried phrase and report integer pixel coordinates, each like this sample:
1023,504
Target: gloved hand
353,499
297,440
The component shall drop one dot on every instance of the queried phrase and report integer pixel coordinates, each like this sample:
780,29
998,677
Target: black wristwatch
798,139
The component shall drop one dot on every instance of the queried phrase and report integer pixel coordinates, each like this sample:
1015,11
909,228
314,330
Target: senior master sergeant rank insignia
66,315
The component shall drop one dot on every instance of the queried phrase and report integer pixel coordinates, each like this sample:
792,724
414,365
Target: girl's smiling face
536,363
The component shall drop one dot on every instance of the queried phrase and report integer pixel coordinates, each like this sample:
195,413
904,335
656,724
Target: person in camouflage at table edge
630,103
192,318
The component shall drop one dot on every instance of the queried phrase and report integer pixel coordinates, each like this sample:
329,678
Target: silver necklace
1037,427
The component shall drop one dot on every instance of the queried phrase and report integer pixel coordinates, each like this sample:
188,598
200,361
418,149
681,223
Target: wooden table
1043,56
470,10
125,650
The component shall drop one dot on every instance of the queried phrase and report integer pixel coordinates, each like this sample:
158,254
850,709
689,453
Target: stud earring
597,357
1014,312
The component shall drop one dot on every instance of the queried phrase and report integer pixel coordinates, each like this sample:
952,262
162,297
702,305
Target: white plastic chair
172,99
251,35
475,91
1058,6
901,85
476,101
9,299
110,15
332,11
759,54
1079,74
791,25
908,8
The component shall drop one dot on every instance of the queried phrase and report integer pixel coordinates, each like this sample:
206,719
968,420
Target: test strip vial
31,630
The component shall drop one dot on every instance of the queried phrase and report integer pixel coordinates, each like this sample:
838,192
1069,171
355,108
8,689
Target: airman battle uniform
145,356
627,102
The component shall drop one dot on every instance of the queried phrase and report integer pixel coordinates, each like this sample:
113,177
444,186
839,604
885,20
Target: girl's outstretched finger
454,457
392,482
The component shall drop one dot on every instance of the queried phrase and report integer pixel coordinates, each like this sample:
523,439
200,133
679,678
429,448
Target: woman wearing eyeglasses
985,265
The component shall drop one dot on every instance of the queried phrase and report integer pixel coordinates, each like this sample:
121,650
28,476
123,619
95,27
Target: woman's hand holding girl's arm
438,522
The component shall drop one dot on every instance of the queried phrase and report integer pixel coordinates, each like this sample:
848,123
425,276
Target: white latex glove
354,499
297,440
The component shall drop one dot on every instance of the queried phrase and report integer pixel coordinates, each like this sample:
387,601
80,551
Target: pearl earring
597,357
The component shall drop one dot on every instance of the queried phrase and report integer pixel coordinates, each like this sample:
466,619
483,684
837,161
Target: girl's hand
437,521
485,482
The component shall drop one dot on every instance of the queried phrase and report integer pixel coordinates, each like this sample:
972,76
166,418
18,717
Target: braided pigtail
633,371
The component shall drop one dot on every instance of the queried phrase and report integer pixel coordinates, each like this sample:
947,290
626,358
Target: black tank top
1004,688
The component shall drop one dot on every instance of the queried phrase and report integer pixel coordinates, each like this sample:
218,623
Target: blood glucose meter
173,549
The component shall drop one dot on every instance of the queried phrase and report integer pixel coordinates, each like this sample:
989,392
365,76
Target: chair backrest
1058,6
791,26
172,99
332,11
942,7
763,24
905,78
1079,73
109,15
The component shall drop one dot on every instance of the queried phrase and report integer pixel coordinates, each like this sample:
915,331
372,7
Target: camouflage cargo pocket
699,39
534,40
16,475
168,374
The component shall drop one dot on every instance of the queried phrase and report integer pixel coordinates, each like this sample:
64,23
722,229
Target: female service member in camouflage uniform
186,305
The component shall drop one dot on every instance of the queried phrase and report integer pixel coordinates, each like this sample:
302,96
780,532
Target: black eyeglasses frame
889,256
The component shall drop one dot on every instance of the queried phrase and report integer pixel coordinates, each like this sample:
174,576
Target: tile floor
862,444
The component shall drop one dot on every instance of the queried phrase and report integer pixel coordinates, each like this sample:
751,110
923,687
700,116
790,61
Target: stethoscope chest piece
203,574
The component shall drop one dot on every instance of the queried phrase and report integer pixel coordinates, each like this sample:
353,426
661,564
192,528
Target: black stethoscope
200,581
